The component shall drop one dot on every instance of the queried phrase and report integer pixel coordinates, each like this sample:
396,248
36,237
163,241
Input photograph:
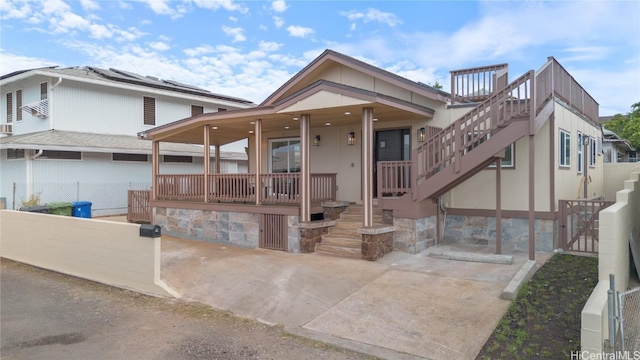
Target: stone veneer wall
413,235
375,246
223,227
515,232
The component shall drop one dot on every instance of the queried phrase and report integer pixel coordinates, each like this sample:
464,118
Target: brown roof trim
362,94
330,55
190,122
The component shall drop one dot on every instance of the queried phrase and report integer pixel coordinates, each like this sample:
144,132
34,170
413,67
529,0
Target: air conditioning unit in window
6,129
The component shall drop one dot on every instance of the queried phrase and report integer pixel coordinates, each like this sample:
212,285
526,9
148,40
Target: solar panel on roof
179,84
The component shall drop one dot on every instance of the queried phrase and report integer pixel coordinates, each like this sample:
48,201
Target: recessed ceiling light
375,119
252,123
347,113
215,128
295,118
286,127
327,124
250,131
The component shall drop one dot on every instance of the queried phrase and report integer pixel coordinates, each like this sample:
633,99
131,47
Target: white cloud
299,31
54,7
89,5
279,6
233,18
229,5
269,46
11,10
10,62
200,50
235,33
278,21
125,5
99,31
162,7
387,18
158,45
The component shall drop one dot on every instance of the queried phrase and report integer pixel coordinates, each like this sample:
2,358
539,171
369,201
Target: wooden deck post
207,160
217,160
257,152
155,163
367,166
498,206
532,197
305,176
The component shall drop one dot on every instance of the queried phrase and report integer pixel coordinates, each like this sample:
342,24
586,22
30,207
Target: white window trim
155,114
130,161
270,149
592,151
48,159
512,165
179,162
18,110
6,155
580,152
562,160
6,108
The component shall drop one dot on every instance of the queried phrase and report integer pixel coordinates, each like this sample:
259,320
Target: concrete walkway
402,306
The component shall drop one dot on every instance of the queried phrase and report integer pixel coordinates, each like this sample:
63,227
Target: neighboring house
69,134
616,149
436,166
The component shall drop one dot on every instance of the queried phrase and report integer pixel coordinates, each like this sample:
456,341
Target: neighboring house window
599,150
15,154
177,159
61,155
196,110
284,155
9,108
43,91
221,109
633,156
592,152
130,157
149,111
509,159
579,157
18,105
565,149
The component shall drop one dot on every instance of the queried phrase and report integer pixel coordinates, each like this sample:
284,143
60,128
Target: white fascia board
114,84
96,150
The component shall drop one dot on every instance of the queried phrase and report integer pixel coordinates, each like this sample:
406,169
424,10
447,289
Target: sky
248,49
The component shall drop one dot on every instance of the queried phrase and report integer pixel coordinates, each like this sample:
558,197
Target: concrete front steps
343,239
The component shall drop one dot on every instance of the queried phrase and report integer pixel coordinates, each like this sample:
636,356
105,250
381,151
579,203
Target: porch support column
155,164
217,160
498,206
367,166
532,197
257,152
207,160
305,174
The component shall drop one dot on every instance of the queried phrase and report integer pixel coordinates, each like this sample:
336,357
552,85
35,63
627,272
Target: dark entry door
390,145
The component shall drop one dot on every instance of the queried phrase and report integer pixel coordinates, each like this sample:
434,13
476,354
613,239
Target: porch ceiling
230,126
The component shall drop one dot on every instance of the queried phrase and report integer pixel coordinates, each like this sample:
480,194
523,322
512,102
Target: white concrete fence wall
614,176
108,252
616,224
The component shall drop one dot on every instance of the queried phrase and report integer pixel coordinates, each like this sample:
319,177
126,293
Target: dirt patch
544,321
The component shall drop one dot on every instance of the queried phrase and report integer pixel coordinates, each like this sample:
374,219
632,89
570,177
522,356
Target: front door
390,145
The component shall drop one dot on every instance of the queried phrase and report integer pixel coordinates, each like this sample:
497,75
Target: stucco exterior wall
615,175
616,223
108,252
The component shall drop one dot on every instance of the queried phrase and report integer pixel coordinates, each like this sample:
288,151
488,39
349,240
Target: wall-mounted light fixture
316,140
351,138
422,134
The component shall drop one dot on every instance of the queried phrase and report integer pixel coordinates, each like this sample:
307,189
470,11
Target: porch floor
401,306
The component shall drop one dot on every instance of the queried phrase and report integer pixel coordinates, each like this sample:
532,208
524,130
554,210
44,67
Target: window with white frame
44,90
592,152
61,155
9,108
18,105
580,152
13,154
565,149
509,159
284,155
149,110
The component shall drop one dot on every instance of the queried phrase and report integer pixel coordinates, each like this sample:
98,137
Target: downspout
51,102
443,209
29,172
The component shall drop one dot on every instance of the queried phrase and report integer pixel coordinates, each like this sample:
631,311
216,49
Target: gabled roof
102,143
611,137
114,77
330,56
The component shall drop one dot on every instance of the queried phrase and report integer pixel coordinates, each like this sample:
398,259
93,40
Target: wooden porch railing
275,188
394,177
139,206
477,84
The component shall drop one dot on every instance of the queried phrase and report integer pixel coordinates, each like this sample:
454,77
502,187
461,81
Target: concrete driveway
402,306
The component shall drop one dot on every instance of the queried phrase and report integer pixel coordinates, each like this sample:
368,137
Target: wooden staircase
343,239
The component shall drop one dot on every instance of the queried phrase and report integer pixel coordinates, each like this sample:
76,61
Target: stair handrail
478,83
470,130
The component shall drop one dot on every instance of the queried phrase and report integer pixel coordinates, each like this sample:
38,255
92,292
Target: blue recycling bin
82,209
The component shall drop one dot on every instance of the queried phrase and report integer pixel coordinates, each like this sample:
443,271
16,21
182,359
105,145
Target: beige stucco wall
616,223
568,181
108,252
614,176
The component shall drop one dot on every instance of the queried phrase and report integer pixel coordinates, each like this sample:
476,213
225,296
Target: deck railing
569,90
394,177
477,84
275,188
138,208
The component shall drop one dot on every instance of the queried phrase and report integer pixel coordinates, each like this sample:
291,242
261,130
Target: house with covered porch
351,160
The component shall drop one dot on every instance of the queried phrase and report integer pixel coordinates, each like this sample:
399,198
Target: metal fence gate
139,206
579,224
273,232
629,318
